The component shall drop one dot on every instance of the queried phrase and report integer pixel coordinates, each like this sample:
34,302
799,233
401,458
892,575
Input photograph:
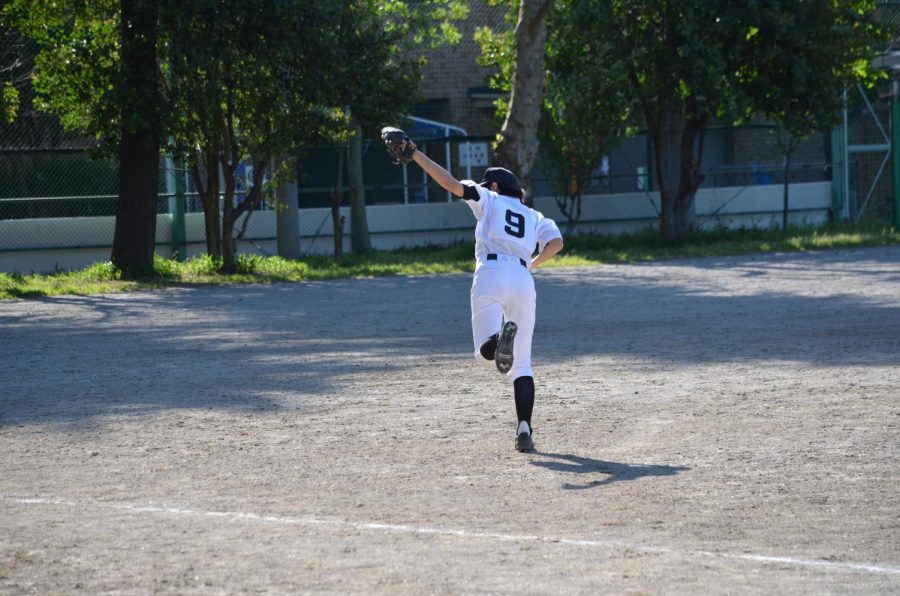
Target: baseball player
503,296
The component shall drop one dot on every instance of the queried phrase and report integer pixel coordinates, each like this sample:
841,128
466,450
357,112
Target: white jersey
503,289
506,226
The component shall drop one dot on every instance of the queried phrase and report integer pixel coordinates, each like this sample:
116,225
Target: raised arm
403,150
438,173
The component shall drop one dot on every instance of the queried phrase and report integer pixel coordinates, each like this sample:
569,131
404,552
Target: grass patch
433,260
648,246
96,279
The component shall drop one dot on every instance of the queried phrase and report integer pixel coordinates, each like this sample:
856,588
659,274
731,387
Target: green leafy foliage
12,71
681,64
584,115
9,102
242,82
801,57
617,66
498,51
76,74
271,77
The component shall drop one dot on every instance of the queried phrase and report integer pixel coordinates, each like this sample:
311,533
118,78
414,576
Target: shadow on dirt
241,348
830,308
300,345
611,471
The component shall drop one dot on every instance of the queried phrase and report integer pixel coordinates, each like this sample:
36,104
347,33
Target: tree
274,76
376,79
582,117
12,72
232,85
520,55
801,78
97,71
678,62
76,68
359,223
248,82
381,62
685,63
141,101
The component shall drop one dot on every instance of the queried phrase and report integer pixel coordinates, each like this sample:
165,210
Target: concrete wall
45,245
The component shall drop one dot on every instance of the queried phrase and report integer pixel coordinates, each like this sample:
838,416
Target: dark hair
516,193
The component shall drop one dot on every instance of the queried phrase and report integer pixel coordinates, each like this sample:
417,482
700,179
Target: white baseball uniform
502,289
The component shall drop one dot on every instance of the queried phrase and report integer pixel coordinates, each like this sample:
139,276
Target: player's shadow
607,471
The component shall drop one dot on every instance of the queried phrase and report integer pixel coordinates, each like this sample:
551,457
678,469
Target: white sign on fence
473,154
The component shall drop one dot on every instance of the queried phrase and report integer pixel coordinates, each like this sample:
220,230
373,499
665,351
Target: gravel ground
726,425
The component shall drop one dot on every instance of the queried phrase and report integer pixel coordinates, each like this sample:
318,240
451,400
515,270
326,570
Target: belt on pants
494,257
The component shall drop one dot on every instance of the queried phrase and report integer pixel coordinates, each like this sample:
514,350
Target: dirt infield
706,426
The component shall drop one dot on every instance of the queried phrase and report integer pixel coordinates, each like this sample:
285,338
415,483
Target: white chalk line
406,529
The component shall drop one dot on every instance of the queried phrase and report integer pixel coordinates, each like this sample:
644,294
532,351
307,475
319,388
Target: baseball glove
400,148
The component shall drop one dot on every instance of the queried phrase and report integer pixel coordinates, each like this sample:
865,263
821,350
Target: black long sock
524,392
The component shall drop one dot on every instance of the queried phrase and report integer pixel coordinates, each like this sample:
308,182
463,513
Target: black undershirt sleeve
470,193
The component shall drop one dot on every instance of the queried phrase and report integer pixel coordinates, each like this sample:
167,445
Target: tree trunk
206,178
337,220
518,145
213,224
690,177
359,225
787,150
677,207
229,217
667,221
134,239
570,207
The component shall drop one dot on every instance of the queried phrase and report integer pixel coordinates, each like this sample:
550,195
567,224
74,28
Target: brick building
455,87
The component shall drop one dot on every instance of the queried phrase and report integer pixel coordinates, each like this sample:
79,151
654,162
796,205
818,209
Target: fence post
177,203
840,191
287,217
895,153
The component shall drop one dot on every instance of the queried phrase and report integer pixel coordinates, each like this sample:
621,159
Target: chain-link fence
43,184
735,156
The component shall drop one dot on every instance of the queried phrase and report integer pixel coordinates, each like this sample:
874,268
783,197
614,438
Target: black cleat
503,356
524,442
